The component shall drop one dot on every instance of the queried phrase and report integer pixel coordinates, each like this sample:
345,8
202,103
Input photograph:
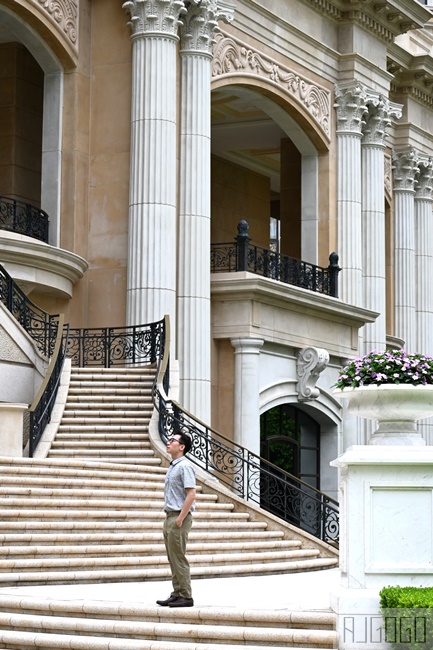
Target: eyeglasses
173,440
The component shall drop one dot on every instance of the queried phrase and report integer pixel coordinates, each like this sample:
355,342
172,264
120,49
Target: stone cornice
413,77
155,16
233,57
386,19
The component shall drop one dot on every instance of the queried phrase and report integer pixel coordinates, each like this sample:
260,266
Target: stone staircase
29,622
92,512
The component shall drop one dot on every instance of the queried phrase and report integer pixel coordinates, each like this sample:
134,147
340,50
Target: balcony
29,259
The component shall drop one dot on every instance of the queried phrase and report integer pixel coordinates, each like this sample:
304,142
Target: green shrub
408,616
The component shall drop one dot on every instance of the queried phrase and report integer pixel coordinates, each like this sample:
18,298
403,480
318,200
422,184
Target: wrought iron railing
42,327
241,255
117,346
23,218
245,473
43,404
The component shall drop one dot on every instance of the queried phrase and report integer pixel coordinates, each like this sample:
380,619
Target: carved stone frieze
65,14
405,169
201,23
155,16
233,57
310,363
388,175
424,180
351,106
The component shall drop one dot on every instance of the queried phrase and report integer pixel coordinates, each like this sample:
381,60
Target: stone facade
157,126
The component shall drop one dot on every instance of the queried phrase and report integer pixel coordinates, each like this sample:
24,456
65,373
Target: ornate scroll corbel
310,363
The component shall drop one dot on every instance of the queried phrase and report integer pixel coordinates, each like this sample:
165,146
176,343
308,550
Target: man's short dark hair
184,439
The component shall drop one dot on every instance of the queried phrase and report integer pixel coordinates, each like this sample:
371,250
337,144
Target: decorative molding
9,350
201,23
155,16
388,175
310,363
65,14
231,56
424,180
405,169
380,112
351,106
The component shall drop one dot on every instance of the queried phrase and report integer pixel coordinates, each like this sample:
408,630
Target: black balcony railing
241,255
42,327
23,218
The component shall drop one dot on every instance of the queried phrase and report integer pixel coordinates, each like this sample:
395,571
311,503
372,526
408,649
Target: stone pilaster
377,120
247,386
151,283
350,104
193,300
424,257
405,168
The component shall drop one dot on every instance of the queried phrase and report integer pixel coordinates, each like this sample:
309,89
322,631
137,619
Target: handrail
41,326
23,218
241,255
43,403
244,472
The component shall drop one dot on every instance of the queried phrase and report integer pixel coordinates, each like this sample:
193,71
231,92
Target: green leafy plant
387,367
408,617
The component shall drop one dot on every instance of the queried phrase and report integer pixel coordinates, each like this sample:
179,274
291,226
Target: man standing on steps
179,503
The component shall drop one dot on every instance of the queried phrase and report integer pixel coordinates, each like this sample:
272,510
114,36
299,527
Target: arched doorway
290,440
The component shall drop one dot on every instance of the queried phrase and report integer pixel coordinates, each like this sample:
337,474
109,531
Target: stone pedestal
11,429
386,521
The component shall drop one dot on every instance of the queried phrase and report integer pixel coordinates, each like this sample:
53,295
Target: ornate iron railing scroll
245,473
43,404
23,218
42,327
241,255
105,347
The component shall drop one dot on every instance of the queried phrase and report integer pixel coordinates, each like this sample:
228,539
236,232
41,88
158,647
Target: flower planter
396,407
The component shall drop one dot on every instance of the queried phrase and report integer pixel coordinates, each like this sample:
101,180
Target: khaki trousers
175,540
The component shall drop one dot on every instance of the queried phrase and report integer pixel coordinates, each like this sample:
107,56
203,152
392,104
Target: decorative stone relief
424,180
155,16
380,112
234,57
405,168
201,23
351,106
388,175
310,363
65,14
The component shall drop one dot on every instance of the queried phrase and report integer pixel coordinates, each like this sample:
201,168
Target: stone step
91,510
84,469
104,428
261,537
110,392
145,559
102,436
171,631
17,490
126,487
135,455
62,525
161,573
154,502
93,384
94,415
91,402
95,443
150,548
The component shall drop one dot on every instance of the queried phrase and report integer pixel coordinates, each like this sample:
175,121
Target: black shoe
180,601
166,603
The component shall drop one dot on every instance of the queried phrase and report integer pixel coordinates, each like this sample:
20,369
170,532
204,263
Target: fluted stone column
405,167
424,258
151,282
350,104
193,301
378,118
247,386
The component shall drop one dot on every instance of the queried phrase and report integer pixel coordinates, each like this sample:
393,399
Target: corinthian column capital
405,169
150,16
201,23
378,118
424,180
350,104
